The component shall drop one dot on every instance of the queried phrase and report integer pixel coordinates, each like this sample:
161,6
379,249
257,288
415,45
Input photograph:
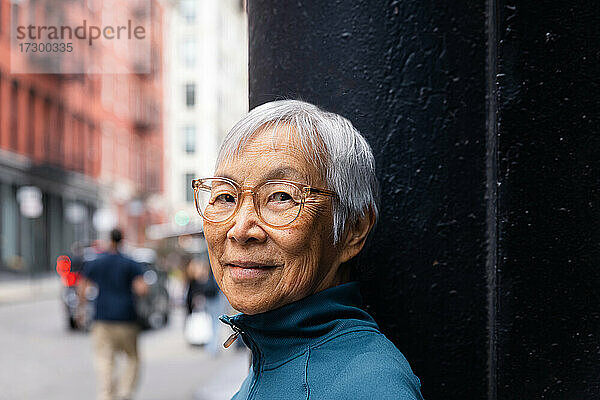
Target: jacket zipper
256,367
233,337
256,356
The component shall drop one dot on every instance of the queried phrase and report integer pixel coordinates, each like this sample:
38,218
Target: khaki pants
110,338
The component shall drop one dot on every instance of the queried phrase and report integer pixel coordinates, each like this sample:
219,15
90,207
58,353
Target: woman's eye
225,198
280,196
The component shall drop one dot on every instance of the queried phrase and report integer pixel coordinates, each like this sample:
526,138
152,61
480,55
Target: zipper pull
232,338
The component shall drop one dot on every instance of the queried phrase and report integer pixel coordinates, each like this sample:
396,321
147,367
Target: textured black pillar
548,320
411,76
480,269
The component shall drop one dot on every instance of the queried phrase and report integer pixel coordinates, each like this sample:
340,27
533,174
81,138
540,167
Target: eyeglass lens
277,203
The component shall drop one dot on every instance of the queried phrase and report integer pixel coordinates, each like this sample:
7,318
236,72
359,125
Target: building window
189,193
190,94
60,134
31,124
48,128
188,52
188,10
152,161
189,139
14,115
15,11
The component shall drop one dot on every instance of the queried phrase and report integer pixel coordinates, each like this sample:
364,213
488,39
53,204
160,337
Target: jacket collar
287,331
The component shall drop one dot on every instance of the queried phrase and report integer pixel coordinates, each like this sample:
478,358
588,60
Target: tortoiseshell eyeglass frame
306,190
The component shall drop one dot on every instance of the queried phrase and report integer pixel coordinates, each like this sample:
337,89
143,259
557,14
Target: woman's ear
356,236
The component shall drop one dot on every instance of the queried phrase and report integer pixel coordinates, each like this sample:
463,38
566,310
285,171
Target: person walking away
203,295
114,330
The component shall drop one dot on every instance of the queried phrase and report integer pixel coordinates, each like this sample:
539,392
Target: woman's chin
248,307
250,294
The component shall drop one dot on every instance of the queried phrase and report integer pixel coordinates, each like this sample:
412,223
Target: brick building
80,142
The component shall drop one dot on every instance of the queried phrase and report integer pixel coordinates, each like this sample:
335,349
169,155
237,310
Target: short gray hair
340,153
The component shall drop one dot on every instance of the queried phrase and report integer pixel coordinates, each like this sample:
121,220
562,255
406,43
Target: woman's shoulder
361,342
364,364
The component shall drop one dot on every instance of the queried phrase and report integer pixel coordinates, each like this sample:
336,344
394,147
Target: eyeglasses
277,203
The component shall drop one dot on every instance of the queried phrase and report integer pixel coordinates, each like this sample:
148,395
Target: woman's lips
244,271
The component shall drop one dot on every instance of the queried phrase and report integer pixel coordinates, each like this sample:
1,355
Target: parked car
152,309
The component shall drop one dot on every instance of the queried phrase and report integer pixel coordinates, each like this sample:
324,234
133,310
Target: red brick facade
103,128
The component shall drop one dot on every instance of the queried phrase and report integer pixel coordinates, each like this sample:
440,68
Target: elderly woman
292,201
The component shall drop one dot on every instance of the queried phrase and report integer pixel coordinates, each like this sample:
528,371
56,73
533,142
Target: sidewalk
229,371
24,288
171,368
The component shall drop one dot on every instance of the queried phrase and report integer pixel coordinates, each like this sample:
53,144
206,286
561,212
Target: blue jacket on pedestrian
114,273
322,347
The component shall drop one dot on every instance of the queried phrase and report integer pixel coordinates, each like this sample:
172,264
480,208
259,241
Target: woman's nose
246,226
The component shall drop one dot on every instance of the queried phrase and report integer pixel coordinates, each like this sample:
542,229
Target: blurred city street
43,359
103,134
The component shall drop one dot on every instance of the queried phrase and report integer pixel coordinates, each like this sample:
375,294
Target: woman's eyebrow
222,175
277,173
283,172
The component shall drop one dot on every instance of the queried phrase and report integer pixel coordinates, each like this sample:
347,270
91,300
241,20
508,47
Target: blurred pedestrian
204,296
118,279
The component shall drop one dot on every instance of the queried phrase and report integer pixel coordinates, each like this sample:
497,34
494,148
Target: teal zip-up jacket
322,347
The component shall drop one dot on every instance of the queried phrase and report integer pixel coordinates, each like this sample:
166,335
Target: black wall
548,325
480,269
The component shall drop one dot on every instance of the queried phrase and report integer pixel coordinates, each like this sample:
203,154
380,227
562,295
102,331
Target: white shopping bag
198,328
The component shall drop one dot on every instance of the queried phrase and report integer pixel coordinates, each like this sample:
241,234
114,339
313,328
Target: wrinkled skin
260,268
